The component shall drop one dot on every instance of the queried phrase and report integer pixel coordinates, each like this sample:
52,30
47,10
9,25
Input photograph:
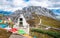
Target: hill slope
44,21
48,18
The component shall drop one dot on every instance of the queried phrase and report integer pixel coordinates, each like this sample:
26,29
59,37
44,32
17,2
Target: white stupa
22,24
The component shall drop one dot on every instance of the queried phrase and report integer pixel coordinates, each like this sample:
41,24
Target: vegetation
44,21
4,33
50,33
50,22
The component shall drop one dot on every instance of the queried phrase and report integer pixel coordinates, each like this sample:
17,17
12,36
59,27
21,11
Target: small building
22,24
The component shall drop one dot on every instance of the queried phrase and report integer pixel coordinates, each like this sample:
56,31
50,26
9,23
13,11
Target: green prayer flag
21,31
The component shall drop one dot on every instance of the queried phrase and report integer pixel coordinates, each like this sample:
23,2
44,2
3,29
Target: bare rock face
39,11
27,11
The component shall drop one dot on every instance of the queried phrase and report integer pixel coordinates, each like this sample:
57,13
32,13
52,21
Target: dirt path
17,36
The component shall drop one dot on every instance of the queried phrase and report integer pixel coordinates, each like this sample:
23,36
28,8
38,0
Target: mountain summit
27,11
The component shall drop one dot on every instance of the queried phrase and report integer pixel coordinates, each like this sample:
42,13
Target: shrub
50,33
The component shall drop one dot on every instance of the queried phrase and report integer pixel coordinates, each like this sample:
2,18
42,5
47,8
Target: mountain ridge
27,11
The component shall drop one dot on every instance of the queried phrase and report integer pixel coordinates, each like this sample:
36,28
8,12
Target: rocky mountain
27,11
33,14
39,10
5,12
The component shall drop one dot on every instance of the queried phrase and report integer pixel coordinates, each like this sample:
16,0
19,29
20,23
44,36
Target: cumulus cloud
36,3
19,3
13,5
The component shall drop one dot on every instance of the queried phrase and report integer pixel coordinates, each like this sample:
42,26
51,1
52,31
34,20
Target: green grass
45,21
50,22
50,33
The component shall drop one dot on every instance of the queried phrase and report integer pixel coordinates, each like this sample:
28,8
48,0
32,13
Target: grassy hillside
4,33
50,22
44,20
44,33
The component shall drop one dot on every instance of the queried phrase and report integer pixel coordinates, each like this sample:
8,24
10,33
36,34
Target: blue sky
12,5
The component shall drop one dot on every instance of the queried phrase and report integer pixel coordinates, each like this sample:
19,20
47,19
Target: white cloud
58,17
19,4
12,5
35,3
